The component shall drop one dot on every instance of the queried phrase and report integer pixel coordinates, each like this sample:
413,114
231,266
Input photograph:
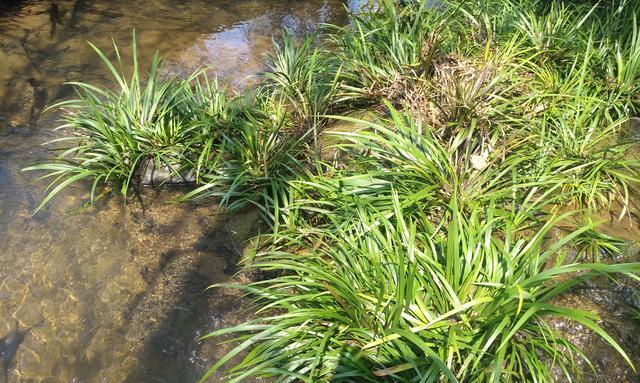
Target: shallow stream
115,292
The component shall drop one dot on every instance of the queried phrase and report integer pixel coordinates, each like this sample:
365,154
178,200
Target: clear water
118,289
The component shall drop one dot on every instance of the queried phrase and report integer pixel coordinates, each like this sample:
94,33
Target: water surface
119,289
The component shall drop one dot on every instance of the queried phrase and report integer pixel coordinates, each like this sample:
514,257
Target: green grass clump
424,252
274,141
255,158
409,268
114,134
398,299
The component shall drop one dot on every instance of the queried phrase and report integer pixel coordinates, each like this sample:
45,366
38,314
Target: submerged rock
156,173
631,296
634,127
610,301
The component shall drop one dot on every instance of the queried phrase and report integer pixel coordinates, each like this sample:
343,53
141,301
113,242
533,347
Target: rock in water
634,128
155,173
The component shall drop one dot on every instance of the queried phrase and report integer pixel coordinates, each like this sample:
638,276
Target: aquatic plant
270,145
385,51
597,170
411,158
389,275
399,298
582,135
554,31
625,69
595,246
423,251
256,158
112,135
305,77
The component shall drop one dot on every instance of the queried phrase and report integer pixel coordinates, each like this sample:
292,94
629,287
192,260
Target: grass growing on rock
426,249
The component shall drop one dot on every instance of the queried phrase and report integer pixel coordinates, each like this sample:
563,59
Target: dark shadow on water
171,351
179,309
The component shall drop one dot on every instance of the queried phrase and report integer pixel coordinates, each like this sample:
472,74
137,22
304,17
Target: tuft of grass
385,46
625,66
255,158
596,246
397,298
270,145
553,28
305,77
112,134
585,149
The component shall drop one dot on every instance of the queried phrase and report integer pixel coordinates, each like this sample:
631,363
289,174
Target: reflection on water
119,288
43,46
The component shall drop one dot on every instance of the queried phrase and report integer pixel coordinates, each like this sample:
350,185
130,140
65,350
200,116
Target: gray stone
634,128
631,297
155,173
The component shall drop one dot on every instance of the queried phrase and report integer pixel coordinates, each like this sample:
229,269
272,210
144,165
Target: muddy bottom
129,302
